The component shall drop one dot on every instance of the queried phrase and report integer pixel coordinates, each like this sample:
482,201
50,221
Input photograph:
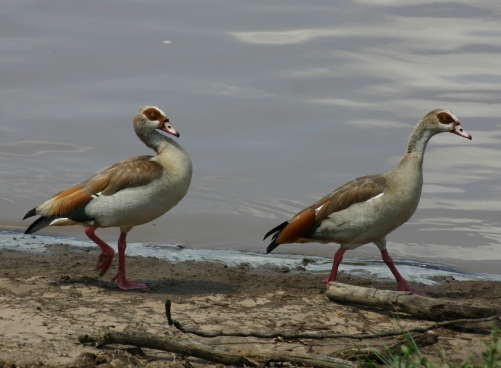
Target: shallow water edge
414,271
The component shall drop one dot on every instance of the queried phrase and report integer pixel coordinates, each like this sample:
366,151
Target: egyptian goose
125,194
370,207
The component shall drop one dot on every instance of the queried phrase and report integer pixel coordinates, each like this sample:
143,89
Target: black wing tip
276,231
38,224
30,213
272,246
269,233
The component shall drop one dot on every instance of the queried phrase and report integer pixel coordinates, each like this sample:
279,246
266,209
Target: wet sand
48,299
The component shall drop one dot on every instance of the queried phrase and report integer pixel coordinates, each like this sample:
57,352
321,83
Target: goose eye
445,118
153,114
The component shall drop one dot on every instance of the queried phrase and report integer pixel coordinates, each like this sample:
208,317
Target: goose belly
135,206
366,222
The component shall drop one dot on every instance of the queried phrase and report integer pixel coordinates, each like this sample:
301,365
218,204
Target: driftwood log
189,347
435,309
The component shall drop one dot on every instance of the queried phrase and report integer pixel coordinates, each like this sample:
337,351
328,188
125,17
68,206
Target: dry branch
326,335
188,347
405,302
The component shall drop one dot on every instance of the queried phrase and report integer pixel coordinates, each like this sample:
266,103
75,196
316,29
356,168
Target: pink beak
169,129
461,132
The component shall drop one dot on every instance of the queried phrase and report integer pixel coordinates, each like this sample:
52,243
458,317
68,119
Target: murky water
277,104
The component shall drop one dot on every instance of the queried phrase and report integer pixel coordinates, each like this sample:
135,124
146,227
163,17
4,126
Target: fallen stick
434,309
322,335
188,347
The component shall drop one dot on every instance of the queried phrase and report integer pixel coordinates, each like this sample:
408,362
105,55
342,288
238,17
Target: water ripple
37,148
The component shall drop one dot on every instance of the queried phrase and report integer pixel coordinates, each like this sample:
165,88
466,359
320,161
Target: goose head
150,118
440,120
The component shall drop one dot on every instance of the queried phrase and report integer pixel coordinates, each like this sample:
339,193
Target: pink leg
123,283
338,257
107,253
401,284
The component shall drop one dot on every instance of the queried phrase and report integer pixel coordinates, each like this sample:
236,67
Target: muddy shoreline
47,299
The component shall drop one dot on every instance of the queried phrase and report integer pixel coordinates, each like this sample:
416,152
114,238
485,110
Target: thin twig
315,335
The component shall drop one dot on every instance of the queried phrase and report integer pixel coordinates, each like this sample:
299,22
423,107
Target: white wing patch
373,198
63,221
318,209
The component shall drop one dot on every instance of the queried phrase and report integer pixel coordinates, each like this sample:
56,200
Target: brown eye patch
152,114
445,118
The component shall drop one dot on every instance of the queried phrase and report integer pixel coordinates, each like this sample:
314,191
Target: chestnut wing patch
63,202
130,173
297,227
